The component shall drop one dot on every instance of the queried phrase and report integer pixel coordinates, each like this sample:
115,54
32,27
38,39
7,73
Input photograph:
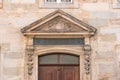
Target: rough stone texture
115,21
1,3
108,37
102,14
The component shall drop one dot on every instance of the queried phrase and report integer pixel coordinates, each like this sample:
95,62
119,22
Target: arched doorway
56,32
58,66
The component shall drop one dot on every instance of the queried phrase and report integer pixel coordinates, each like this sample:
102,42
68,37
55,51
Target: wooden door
58,73
49,73
69,73
58,67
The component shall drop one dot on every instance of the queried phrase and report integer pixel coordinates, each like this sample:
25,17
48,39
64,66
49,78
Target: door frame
32,53
58,63
80,54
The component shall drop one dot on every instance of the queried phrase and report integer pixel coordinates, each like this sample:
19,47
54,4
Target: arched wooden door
58,67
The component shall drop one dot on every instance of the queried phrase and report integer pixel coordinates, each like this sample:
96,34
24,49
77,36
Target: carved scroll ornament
29,51
87,63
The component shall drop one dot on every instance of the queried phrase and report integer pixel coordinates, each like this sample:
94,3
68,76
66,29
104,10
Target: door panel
58,73
69,73
48,73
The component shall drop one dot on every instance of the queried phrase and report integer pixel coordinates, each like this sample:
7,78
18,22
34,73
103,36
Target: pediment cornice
58,22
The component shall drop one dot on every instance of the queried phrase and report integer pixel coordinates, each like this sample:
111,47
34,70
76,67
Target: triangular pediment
59,22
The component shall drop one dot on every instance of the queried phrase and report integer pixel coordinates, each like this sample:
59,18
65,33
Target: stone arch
61,50
79,53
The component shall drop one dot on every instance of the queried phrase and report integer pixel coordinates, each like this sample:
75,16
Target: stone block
23,1
98,22
106,71
108,38
105,55
118,38
115,21
10,71
89,1
13,62
5,47
104,46
110,30
96,7
13,55
116,5
1,3
104,14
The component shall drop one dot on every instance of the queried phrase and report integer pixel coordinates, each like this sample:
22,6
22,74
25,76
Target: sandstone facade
104,15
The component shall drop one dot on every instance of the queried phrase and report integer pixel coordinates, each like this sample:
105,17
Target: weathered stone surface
16,14
13,55
116,5
115,21
97,7
89,1
108,37
110,30
105,14
5,47
105,55
23,1
98,22
106,71
13,62
1,3
11,71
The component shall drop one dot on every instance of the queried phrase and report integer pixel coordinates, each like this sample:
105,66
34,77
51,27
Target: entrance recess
58,66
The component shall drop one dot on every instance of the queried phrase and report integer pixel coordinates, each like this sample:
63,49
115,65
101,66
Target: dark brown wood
58,73
58,64
69,73
48,73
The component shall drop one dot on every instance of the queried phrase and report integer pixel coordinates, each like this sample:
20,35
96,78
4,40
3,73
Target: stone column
87,63
30,61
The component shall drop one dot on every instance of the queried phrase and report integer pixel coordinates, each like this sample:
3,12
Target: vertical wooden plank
70,73
48,73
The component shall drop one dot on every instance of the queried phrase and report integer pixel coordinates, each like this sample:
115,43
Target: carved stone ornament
59,26
87,63
29,51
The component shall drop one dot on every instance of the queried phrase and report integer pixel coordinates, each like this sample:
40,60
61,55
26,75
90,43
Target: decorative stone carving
29,51
87,63
59,26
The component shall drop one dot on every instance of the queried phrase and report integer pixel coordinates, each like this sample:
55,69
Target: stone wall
102,14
